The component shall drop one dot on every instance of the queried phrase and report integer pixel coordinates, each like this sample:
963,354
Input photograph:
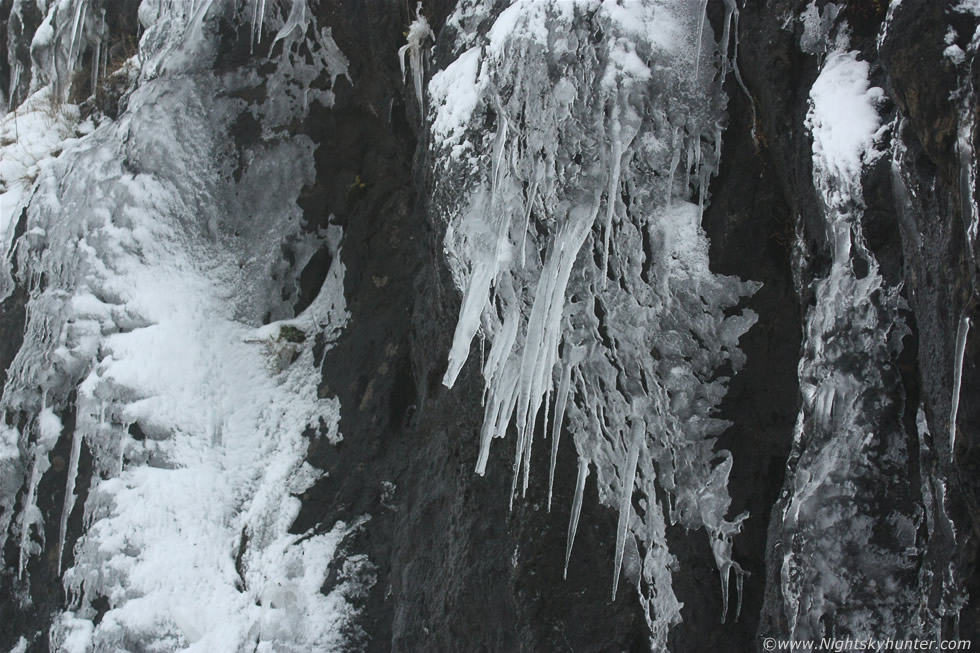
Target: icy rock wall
579,139
871,537
154,432
850,435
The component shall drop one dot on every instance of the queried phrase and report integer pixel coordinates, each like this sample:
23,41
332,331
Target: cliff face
476,326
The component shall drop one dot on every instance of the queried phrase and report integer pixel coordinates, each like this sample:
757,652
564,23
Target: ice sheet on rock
576,262
453,95
31,136
850,434
157,274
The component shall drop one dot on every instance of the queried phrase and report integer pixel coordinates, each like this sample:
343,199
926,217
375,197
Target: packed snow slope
487,325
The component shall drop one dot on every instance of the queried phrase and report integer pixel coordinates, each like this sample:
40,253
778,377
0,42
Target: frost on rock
844,539
150,264
574,233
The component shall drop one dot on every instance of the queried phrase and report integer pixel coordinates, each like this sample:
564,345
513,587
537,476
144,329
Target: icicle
612,193
583,473
77,31
697,59
297,19
527,217
703,175
69,503
258,18
497,416
675,160
739,585
637,432
566,377
738,73
105,51
30,512
961,333
499,148
97,54
15,73
418,31
518,457
469,319
530,437
540,353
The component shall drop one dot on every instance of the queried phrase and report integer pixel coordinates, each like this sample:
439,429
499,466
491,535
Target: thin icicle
961,333
258,18
566,377
637,432
97,55
499,147
612,193
418,32
739,585
738,73
30,513
527,218
69,503
697,59
583,474
675,160
530,437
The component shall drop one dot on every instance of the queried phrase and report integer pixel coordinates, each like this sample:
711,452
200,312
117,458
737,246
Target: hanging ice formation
574,233
68,31
418,32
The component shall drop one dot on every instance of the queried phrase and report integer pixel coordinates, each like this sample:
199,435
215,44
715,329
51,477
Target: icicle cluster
574,232
70,29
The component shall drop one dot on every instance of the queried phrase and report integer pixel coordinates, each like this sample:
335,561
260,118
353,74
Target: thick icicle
961,334
637,432
583,473
297,19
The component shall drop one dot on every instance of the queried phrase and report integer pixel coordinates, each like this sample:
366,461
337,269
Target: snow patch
454,94
843,116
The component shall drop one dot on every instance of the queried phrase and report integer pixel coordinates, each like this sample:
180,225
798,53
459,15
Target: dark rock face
449,566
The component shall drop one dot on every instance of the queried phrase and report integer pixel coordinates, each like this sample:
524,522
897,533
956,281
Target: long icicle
961,333
637,431
583,473
566,378
616,154
69,503
527,218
